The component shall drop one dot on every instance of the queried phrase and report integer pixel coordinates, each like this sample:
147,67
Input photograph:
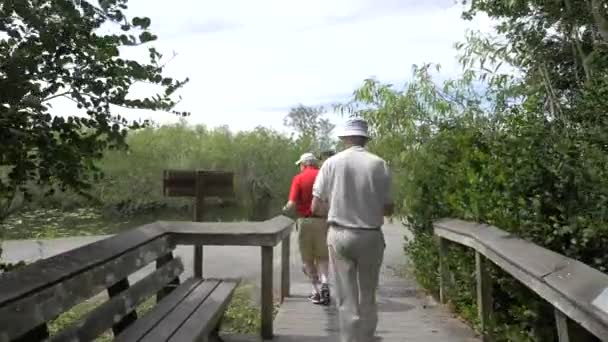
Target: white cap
306,157
354,127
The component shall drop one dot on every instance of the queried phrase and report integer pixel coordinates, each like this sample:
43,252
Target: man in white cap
354,188
312,229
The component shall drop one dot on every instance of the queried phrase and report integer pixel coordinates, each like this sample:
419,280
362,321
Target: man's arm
389,209
289,206
389,205
294,193
320,206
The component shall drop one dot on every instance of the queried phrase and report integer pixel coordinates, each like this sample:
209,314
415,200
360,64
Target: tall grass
262,160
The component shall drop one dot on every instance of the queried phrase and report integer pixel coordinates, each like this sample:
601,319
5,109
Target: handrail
265,234
576,291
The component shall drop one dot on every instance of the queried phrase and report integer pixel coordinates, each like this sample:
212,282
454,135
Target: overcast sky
249,61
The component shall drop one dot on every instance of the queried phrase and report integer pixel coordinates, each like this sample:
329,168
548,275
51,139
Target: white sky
249,61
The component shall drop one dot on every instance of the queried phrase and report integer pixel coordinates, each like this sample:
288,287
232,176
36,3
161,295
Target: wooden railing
53,272
576,291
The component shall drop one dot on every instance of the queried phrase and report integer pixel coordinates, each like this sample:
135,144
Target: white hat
306,157
354,127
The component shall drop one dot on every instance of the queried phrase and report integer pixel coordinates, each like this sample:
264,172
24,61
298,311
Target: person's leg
371,254
347,288
322,259
323,270
306,240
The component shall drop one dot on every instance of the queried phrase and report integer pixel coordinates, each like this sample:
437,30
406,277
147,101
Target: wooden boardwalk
405,314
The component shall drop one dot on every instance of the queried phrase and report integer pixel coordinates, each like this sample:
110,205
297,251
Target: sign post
198,184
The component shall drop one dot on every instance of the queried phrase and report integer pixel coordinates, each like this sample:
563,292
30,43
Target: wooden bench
191,311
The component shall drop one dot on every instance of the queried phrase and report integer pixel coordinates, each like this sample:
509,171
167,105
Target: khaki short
313,239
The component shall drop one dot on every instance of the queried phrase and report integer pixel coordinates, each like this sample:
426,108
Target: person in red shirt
312,229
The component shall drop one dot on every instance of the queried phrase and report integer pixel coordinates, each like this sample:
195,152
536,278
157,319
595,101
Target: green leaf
146,36
142,23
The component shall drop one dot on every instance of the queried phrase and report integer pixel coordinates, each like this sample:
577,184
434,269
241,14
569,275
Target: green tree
560,48
508,149
55,49
313,130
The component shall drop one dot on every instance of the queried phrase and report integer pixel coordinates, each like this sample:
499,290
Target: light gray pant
356,256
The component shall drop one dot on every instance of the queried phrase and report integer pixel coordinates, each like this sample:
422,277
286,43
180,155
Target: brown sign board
183,183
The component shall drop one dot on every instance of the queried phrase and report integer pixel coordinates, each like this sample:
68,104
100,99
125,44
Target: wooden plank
207,316
129,318
146,323
47,272
267,287
198,261
112,311
22,315
265,233
561,324
484,297
199,216
285,267
567,284
183,183
173,284
220,191
539,261
172,322
444,273
39,333
583,285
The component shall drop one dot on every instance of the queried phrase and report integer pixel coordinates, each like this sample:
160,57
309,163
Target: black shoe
315,298
325,297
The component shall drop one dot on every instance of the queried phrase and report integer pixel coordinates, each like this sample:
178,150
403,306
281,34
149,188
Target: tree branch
600,20
574,36
56,95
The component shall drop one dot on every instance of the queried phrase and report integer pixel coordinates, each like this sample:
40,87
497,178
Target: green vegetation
130,193
517,141
243,315
521,148
54,49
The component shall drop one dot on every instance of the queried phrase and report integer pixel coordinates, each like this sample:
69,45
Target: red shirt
301,190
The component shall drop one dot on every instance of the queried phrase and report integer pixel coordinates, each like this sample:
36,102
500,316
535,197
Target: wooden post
131,317
160,262
199,214
198,184
285,267
561,323
484,297
267,301
443,269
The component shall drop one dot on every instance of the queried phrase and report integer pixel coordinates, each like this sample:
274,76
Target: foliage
131,190
243,315
262,160
55,49
314,131
55,223
489,147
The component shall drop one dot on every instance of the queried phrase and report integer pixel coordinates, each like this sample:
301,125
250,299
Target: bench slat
46,272
207,316
166,328
146,323
112,311
18,317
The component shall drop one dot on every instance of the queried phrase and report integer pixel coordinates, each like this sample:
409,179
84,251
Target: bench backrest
38,293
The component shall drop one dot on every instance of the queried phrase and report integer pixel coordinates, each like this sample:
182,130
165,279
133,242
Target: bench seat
191,312
39,293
